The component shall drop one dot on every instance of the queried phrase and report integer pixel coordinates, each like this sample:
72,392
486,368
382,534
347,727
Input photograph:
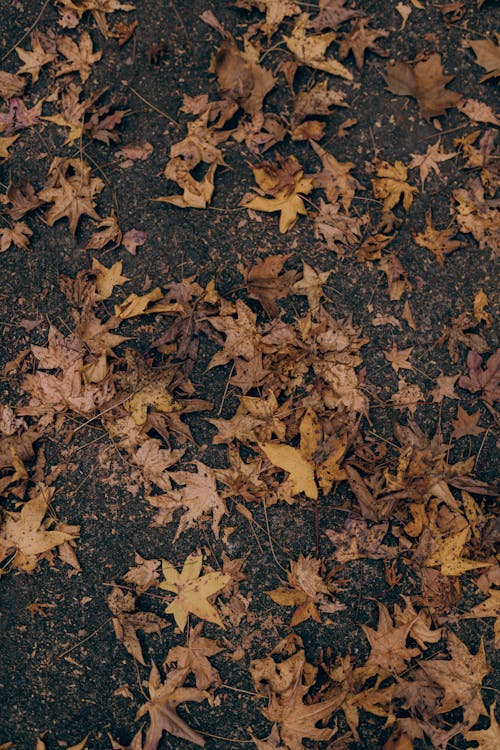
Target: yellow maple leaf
25,534
192,590
135,305
292,460
448,555
390,185
107,278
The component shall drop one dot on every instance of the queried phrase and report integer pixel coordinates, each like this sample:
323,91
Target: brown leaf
425,81
199,496
286,684
487,56
389,653
164,697
460,677
487,381
439,241
193,657
11,85
80,56
265,284
357,540
335,179
359,39
126,621
240,77
466,424
72,189
332,14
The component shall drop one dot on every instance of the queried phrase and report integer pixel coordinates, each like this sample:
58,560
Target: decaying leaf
391,185
487,56
311,50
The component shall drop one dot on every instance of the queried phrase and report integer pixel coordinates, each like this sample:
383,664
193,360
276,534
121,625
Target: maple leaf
133,239
359,39
486,381
22,197
357,540
164,697
196,193
71,188
26,534
19,236
444,388
425,81
311,285
199,496
335,179
488,739
301,471
155,461
339,231
456,335
478,111
5,144
80,56
241,336
332,14
316,101
311,51
466,424
460,677
108,278
36,59
126,622
391,185
11,85
389,652
487,56
478,216
192,591
241,77
109,232
19,117
398,358
429,160
439,241
193,657
286,684
285,185
265,284
449,555
306,586
137,305
143,575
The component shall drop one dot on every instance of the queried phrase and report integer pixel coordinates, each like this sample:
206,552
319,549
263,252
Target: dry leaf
429,160
192,591
487,56
311,51
425,81
391,185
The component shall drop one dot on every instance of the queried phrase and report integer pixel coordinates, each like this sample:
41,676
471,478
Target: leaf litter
297,432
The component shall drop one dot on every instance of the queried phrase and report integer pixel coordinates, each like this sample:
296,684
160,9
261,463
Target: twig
152,106
21,40
91,635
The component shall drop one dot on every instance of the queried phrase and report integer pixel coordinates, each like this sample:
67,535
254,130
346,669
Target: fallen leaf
19,236
133,239
439,241
487,56
301,471
311,51
425,81
35,59
390,185
488,739
449,555
25,534
108,278
361,38
80,56
389,653
460,677
466,424
192,591
72,189
164,697
429,160
399,358
193,657
126,622
286,185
